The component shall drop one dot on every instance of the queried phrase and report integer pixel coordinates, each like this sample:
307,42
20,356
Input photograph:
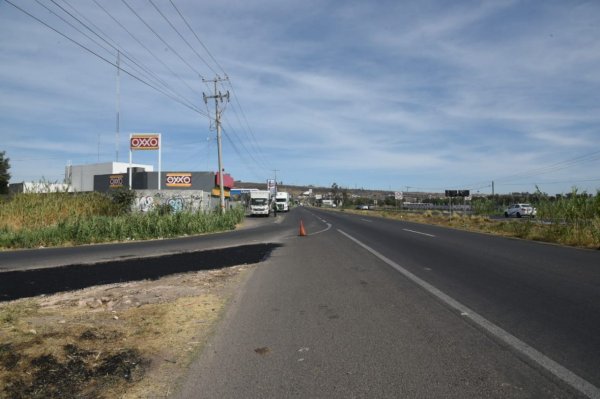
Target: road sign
457,193
398,195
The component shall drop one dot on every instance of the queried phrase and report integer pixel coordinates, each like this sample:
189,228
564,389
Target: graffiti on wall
182,201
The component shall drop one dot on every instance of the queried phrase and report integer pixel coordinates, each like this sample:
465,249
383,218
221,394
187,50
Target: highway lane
324,317
254,230
546,295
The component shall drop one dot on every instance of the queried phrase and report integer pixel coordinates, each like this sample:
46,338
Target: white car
519,210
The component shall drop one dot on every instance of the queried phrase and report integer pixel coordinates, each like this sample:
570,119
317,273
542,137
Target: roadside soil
126,340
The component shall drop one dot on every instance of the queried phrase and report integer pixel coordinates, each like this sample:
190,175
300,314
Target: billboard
272,186
178,180
144,142
457,193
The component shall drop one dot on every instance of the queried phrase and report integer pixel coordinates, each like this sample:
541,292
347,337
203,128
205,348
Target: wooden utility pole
218,96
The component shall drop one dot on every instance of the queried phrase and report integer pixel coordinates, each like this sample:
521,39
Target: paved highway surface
367,307
334,314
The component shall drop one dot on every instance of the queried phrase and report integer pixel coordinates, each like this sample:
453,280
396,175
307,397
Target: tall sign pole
218,96
118,106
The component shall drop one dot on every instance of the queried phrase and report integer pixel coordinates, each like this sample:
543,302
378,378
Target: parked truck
260,201
282,201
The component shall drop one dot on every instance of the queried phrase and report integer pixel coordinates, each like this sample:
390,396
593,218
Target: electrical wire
144,46
163,40
197,38
181,36
253,141
141,68
103,58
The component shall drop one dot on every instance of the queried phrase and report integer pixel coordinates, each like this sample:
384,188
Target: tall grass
573,219
30,211
34,220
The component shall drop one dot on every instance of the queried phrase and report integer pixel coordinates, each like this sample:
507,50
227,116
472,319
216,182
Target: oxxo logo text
148,142
179,179
116,181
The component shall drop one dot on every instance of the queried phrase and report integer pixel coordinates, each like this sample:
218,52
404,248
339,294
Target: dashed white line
366,220
556,369
418,232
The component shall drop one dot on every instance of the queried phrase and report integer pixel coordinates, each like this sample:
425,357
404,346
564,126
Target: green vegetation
572,219
4,175
42,220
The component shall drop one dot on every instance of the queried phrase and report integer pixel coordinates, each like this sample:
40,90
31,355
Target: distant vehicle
520,210
362,207
282,201
260,202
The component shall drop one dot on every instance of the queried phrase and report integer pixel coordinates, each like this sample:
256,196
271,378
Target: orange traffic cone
302,231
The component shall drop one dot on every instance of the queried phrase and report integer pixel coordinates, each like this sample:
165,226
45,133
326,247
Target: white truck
282,201
260,202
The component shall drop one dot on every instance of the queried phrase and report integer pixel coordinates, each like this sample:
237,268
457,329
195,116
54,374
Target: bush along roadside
134,226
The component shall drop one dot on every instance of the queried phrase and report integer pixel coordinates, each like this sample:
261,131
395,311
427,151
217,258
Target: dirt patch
129,340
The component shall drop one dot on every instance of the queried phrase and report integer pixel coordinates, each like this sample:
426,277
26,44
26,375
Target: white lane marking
366,220
559,371
418,232
322,220
321,231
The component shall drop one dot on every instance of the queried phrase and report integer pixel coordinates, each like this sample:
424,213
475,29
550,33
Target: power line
253,140
141,68
181,36
114,45
162,40
243,145
144,46
197,38
104,59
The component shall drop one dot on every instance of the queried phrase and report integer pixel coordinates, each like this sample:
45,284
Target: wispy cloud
387,94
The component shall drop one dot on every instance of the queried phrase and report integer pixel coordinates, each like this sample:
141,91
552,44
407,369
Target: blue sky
417,95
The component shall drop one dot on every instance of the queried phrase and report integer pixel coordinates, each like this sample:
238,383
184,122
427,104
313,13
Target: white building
81,177
39,187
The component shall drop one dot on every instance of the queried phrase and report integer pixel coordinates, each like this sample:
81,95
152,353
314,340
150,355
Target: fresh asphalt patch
33,282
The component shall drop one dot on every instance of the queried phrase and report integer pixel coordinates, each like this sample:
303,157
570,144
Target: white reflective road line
321,231
366,220
559,371
418,232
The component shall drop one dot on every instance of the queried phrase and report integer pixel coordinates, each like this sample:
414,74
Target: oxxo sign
144,142
179,180
116,181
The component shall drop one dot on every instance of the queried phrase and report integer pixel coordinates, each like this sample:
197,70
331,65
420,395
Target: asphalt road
255,230
365,307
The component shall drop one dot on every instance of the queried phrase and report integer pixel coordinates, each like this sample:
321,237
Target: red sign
227,180
144,142
179,180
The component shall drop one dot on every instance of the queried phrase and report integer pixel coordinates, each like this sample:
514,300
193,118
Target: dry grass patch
131,340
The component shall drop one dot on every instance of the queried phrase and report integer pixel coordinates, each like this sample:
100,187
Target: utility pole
218,96
118,105
492,188
275,171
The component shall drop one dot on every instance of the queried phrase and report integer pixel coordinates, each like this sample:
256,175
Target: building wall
81,177
178,200
38,187
181,181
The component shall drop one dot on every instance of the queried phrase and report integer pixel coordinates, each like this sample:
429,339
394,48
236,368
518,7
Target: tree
4,175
